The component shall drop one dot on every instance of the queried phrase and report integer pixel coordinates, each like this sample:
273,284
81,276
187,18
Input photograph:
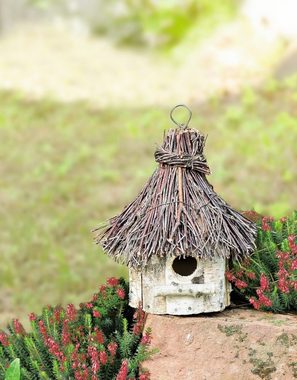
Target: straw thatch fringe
178,212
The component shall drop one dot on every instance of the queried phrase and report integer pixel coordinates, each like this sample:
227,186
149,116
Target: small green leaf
13,372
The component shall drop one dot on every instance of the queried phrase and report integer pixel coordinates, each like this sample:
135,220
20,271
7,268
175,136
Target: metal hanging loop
181,125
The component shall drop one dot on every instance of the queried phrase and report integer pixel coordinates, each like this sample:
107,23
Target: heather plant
268,279
100,340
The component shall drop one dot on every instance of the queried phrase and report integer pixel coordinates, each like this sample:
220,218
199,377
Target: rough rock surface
239,344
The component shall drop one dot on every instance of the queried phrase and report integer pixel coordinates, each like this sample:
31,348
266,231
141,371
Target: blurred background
86,87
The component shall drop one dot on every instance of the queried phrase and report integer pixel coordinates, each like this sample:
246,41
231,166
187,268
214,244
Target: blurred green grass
65,168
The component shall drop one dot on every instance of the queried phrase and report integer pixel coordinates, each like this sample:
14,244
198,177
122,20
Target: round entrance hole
184,266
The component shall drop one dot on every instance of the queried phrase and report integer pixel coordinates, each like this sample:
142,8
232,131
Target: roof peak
183,148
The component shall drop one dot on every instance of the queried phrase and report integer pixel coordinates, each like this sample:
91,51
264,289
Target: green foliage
160,23
98,341
268,279
13,372
149,22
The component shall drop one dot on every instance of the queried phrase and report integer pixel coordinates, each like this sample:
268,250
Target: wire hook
181,125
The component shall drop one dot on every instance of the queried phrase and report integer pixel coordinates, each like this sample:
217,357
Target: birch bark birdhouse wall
178,234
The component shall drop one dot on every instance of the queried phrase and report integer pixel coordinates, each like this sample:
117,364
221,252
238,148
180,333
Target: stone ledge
237,344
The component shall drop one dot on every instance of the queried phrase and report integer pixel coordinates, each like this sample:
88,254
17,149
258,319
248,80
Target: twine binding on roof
194,162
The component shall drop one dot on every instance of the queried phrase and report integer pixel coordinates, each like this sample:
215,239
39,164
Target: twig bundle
177,212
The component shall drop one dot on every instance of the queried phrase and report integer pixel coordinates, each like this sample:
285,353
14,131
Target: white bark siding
162,291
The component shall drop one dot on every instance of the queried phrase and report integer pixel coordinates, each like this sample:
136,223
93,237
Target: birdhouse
177,235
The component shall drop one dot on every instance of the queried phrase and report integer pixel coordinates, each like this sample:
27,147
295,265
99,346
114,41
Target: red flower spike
32,317
139,317
283,285
57,313
55,350
291,239
102,289
230,276
99,336
79,375
264,282
123,372
254,303
93,354
241,284
112,348
239,274
292,244
96,314
18,327
146,339
71,312
144,376
294,264
103,357
265,224
42,329
112,281
4,339
251,275
66,338
263,300
283,256
121,293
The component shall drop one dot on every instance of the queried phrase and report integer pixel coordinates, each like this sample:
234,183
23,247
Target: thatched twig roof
177,212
